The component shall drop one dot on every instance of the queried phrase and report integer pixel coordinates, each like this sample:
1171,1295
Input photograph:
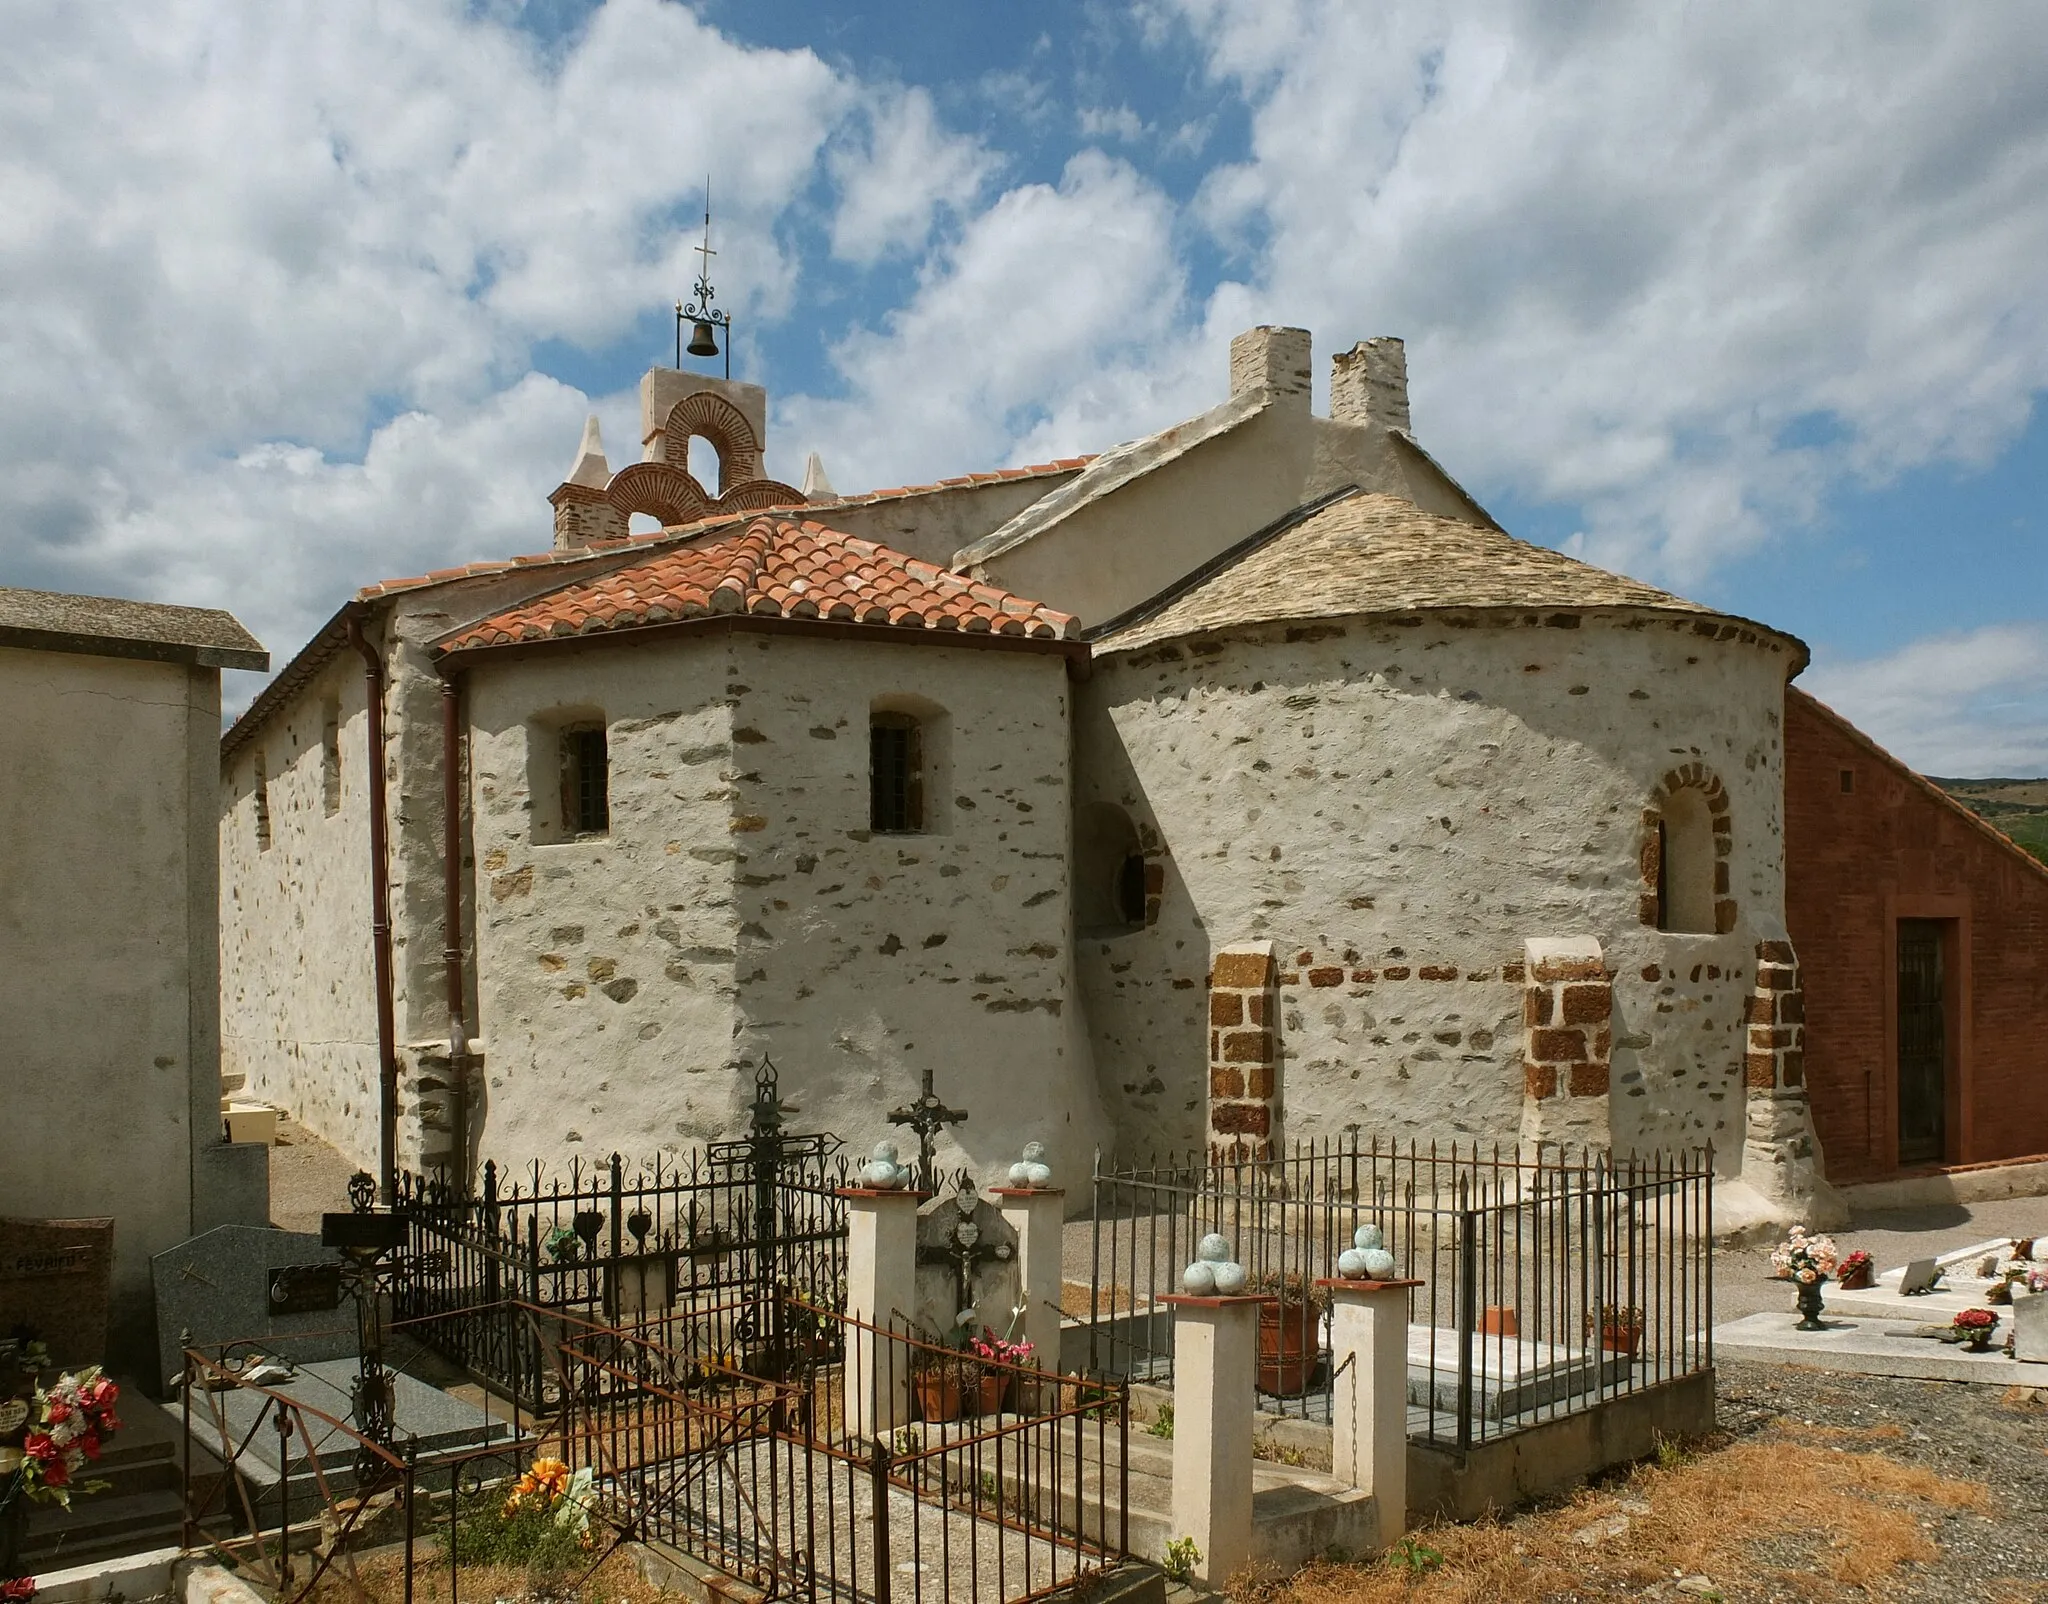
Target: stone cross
927,1115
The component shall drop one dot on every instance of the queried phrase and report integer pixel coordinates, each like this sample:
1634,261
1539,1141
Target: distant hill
2018,807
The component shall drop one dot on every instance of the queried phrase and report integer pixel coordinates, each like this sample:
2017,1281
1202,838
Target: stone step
102,1526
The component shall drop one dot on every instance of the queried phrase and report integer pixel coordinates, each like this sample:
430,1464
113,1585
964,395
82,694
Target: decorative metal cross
927,1116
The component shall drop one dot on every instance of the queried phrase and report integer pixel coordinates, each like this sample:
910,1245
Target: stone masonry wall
1399,807
740,905
298,986
862,957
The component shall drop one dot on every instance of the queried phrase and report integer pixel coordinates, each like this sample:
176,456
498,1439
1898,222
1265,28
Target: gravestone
966,1259
2030,1327
239,1281
55,1280
1920,1276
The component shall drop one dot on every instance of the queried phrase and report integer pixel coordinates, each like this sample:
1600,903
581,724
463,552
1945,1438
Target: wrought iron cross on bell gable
927,1115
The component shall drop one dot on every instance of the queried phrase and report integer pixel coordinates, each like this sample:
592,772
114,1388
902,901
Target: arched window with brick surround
1686,838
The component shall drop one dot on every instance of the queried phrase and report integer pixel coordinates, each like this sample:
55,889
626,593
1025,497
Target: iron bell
702,341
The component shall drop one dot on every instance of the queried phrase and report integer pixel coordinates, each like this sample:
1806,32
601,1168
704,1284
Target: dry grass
1796,1510
615,1581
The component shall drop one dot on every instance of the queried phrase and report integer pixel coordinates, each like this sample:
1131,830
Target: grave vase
1810,1305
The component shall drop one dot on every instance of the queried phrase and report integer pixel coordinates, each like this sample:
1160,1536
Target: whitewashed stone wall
1398,808
298,979
740,905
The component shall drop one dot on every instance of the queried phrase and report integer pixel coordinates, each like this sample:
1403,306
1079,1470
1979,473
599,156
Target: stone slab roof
108,626
1370,553
775,567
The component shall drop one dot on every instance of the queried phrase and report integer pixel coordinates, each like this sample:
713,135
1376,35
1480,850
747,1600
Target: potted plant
935,1379
1857,1272
1621,1328
1807,1261
1973,1328
1288,1331
991,1379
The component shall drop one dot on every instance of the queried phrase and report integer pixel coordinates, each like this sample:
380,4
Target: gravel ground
1970,1432
307,1178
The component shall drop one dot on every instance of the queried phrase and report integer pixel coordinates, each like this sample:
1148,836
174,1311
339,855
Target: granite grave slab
224,1285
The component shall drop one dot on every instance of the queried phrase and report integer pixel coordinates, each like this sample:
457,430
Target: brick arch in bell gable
660,489
1695,789
725,426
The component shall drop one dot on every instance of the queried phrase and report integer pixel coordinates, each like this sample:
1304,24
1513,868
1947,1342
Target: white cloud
1966,705
276,270
1110,122
894,183
1040,332
1630,249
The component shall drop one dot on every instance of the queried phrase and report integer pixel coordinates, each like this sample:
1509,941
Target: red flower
1975,1320
57,1472
41,1447
89,1444
59,1411
18,1590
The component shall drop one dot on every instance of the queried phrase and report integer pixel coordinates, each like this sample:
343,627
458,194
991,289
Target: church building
1244,784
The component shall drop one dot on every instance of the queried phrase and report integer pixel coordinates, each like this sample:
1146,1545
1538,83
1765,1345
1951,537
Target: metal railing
1551,1282
697,1244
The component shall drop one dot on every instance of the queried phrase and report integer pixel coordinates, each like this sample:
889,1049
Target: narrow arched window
586,780
896,800
1111,882
1685,862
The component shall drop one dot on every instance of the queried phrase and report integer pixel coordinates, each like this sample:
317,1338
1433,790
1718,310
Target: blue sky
1750,301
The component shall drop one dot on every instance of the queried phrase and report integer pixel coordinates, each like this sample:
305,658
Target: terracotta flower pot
985,1396
1623,1339
1287,1348
1857,1279
938,1394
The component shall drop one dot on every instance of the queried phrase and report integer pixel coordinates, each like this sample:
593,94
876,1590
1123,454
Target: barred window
895,774
586,780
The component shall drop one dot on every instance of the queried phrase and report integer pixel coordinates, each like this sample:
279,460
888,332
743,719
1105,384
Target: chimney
1369,384
1274,360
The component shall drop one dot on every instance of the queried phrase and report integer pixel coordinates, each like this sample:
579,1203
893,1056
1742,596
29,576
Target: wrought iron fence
1551,1283
690,1249
1008,1488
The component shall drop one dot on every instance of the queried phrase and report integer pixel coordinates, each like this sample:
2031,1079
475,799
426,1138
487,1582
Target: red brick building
1922,935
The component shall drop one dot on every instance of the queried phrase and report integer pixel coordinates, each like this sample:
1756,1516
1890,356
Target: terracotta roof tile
775,567
658,537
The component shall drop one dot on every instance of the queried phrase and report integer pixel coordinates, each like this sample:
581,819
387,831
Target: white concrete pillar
1215,1361
1369,1401
1038,1214
881,1289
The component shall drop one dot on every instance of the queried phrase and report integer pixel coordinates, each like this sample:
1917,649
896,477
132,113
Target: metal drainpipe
380,914
451,917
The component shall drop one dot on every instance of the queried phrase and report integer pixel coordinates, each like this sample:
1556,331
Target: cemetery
782,1364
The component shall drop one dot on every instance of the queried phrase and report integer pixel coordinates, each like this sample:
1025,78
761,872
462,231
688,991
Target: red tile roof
775,567
655,537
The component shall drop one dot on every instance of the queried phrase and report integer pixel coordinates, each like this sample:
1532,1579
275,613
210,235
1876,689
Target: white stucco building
110,1072
1241,784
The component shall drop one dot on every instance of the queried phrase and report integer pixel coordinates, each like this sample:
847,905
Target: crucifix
927,1116
964,1252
